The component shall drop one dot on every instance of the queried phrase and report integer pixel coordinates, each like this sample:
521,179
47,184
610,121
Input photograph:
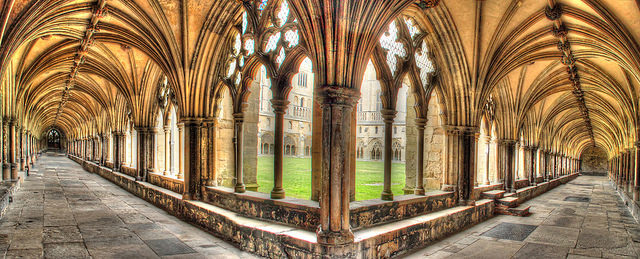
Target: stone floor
62,211
582,219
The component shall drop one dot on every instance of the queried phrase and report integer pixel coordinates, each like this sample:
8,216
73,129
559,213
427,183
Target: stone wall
433,148
225,151
594,161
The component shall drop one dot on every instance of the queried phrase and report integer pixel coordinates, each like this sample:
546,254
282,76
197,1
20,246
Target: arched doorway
54,139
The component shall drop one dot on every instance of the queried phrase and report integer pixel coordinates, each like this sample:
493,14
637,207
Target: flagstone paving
582,219
62,211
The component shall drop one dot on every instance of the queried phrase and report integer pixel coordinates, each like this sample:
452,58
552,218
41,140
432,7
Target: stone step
494,194
508,194
505,210
510,202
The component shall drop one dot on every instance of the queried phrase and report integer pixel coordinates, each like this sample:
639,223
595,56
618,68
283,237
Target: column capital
458,130
388,115
338,95
506,141
279,105
421,122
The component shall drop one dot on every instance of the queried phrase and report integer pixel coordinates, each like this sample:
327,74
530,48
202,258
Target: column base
14,172
335,237
277,193
419,191
386,196
6,172
239,188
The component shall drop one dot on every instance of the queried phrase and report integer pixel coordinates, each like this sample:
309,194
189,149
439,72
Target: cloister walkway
62,211
582,219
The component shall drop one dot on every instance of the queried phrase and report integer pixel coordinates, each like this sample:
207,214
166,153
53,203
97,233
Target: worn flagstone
582,219
62,211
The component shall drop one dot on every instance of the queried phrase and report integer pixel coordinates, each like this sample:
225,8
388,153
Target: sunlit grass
297,177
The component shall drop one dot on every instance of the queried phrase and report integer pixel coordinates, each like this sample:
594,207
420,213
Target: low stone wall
168,183
6,194
375,212
271,239
128,171
420,231
295,212
478,190
530,192
521,183
628,200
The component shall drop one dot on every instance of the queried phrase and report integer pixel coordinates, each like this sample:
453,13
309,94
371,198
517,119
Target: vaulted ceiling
563,75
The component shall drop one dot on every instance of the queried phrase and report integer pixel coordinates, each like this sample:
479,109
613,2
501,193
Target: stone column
21,142
142,158
388,116
117,149
487,141
507,159
460,147
167,149
6,168
180,151
193,157
238,121
211,153
533,165
420,125
279,108
526,163
152,151
337,108
636,171
12,149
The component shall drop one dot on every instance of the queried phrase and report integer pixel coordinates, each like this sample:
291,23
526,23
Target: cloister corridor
62,211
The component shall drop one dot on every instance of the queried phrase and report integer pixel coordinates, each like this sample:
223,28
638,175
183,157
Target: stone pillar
388,116
420,125
238,121
507,165
316,150
636,171
180,151
152,151
21,142
193,157
142,158
533,163
117,149
211,153
12,149
487,141
6,168
167,149
279,108
526,163
337,108
460,147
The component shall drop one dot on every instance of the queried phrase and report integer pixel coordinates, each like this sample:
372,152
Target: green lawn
297,177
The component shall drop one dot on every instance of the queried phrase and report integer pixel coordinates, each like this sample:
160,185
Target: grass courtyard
297,177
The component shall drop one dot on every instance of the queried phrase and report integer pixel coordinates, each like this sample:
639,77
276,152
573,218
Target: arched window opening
54,140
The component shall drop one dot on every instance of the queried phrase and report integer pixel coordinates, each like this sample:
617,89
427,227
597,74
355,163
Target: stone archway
594,161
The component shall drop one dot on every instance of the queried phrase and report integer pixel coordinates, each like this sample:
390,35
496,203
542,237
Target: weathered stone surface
510,231
111,223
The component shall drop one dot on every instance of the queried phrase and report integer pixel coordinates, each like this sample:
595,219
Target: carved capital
337,95
279,106
388,115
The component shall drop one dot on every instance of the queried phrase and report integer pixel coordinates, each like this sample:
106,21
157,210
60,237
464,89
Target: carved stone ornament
426,4
559,31
553,13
